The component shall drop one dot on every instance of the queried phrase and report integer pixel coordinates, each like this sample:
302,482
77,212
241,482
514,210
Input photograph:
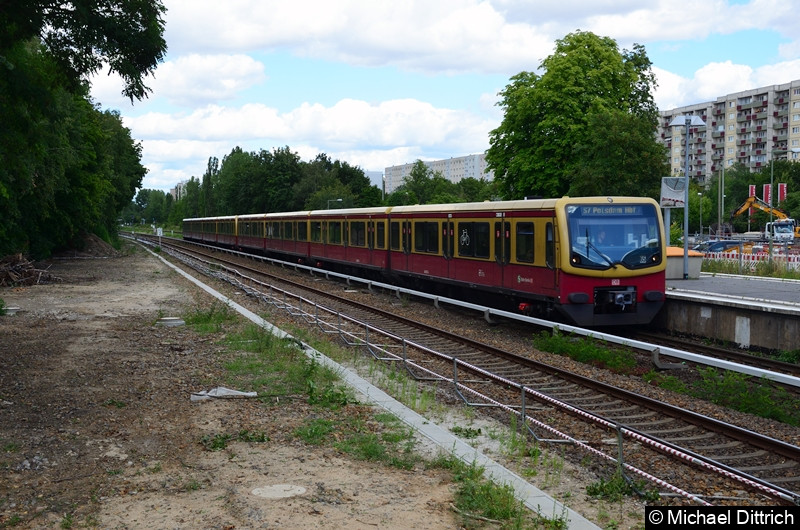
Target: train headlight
578,298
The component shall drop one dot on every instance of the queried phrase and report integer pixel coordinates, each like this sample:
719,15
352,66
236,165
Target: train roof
375,210
523,204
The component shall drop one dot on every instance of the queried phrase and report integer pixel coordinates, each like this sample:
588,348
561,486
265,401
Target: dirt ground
97,428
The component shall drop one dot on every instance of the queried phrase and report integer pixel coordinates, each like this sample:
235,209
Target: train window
550,246
358,233
474,240
316,231
426,236
302,231
380,234
482,235
524,240
394,234
335,232
287,230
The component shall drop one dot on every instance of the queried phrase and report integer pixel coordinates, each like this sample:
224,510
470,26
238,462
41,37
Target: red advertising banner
768,194
781,192
751,193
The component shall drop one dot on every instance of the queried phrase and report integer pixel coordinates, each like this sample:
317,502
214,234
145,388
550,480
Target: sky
378,83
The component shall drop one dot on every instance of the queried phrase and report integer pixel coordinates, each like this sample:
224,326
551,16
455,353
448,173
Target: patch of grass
667,382
252,436
792,356
746,394
315,431
586,351
215,442
210,319
218,442
465,432
192,485
67,521
736,391
480,501
618,487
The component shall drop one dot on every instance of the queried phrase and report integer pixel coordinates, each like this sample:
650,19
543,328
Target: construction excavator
783,229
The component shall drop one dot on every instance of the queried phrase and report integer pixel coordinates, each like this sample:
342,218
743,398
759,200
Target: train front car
612,260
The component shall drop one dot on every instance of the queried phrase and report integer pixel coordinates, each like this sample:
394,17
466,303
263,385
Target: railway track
742,357
716,459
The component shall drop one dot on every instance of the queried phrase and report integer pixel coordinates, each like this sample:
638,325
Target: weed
2,307
114,403
478,497
792,356
612,490
741,392
216,442
667,382
618,487
211,319
252,436
67,521
315,431
586,351
465,432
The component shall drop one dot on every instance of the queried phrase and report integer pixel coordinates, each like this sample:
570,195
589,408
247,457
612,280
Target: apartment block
751,128
453,169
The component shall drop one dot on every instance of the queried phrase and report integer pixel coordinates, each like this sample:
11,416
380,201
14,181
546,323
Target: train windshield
604,236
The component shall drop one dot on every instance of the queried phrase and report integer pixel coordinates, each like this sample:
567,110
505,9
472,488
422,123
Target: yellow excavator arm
755,202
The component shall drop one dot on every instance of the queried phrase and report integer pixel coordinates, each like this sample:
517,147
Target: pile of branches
16,270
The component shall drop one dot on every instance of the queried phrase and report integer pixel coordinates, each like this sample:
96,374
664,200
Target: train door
502,247
550,251
448,245
407,244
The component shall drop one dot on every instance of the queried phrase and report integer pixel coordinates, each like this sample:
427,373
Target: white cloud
189,80
347,123
372,136
201,79
718,79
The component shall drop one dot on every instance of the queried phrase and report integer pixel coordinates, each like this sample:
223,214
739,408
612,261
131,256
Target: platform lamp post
701,215
333,200
688,121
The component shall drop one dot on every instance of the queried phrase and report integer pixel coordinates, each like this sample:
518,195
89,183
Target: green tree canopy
82,35
547,133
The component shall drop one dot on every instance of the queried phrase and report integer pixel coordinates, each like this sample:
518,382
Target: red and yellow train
597,261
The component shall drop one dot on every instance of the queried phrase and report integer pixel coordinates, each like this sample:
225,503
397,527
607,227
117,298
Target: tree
548,118
82,35
623,160
210,188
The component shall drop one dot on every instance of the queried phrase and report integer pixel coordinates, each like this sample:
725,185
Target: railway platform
744,310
